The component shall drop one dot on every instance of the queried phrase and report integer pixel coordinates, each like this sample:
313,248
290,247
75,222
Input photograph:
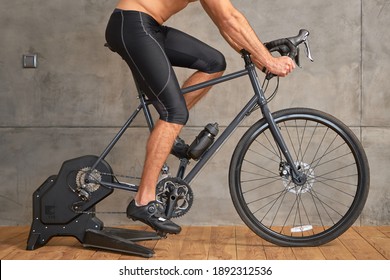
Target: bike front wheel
309,214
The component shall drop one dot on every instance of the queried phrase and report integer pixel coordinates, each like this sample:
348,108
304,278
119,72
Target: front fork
298,177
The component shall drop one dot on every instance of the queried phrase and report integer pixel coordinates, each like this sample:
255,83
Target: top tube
215,81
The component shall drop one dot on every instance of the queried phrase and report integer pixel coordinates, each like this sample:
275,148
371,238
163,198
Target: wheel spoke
289,214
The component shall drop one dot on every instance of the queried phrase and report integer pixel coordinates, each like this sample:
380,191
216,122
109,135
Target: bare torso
160,10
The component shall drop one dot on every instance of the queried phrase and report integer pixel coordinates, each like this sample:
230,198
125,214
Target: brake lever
297,59
307,50
307,53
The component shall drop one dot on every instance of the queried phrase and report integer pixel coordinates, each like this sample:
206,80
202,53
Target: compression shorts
150,50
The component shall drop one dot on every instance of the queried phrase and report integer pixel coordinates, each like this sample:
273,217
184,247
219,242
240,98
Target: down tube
221,140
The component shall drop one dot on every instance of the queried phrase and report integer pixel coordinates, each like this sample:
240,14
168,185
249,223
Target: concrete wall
79,95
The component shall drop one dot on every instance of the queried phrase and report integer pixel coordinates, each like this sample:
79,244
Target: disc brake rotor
177,189
293,188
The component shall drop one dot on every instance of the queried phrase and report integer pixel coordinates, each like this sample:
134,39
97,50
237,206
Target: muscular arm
237,31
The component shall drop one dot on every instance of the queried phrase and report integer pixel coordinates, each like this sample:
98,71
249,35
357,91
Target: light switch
30,61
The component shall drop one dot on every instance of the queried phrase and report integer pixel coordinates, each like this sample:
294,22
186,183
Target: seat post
246,56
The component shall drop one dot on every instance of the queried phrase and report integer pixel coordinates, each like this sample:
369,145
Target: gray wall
79,95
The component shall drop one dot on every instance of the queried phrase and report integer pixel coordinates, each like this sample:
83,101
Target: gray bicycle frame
257,99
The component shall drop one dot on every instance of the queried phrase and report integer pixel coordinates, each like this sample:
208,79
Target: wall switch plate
30,61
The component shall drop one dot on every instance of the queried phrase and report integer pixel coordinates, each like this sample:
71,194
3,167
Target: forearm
237,31
239,34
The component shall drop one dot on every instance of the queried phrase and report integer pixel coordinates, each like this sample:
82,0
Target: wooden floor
206,243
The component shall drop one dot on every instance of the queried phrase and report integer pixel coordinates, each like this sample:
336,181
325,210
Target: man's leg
157,150
193,97
161,140
180,148
144,206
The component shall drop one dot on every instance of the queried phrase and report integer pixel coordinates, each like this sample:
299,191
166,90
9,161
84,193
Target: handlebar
290,47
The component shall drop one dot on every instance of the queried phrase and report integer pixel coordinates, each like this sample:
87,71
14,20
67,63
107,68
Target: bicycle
297,177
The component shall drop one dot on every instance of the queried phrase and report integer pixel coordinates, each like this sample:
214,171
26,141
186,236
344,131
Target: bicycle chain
120,176
108,212
98,212
188,198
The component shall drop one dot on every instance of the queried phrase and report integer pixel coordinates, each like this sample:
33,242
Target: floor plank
335,250
385,230
206,243
171,247
377,239
249,245
222,243
274,252
196,244
13,242
308,253
359,247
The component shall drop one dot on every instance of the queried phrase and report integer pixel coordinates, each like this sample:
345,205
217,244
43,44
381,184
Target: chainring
173,187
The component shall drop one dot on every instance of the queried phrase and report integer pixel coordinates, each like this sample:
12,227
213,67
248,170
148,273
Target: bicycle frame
277,201
257,99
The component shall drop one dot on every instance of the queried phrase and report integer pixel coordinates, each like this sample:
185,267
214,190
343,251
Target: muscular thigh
186,51
140,42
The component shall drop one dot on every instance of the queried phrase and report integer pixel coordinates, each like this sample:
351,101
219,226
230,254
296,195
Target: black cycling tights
151,50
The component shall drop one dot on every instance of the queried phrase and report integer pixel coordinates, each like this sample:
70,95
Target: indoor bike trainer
63,206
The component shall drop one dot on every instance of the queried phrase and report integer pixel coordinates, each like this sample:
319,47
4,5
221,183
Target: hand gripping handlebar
290,47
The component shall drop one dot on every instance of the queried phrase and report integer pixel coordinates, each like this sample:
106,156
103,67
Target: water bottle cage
203,141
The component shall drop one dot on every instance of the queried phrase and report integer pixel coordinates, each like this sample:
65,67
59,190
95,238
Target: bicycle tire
322,209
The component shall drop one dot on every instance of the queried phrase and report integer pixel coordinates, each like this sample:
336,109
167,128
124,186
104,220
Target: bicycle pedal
162,234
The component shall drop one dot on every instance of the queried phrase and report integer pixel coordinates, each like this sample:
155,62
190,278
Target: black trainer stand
58,210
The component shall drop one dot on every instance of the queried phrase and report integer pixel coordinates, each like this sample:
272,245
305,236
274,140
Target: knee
177,115
218,63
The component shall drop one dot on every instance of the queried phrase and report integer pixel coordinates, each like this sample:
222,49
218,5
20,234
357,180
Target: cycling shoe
152,214
180,148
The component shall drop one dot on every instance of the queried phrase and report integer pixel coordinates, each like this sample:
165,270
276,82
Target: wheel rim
318,210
